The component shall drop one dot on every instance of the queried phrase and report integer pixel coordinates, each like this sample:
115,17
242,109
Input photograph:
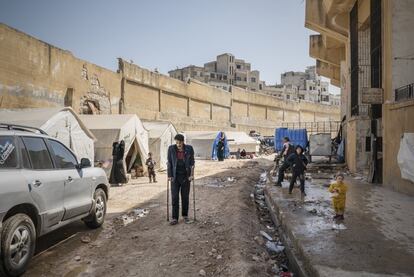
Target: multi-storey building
302,86
225,71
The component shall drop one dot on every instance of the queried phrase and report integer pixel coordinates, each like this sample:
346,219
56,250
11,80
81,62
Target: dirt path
223,242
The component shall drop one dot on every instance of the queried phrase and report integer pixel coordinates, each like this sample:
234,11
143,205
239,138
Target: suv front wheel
18,240
97,217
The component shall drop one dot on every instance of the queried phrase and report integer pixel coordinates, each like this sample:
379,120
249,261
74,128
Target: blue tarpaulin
296,136
226,147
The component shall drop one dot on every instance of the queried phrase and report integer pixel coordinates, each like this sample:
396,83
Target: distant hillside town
227,71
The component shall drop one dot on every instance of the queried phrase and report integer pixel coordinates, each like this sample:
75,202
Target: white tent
242,140
110,128
61,123
202,142
161,136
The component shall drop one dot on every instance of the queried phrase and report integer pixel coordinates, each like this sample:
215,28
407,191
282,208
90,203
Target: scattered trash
338,226
263,177
202,272
141,212
77,258
270,228
219,257
230,179
266,235
86,239
213,250
358,178
259,240
255,258
133,215
275,269
286,274
274,247
284,267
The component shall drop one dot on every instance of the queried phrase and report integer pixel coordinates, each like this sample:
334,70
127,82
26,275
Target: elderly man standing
180,173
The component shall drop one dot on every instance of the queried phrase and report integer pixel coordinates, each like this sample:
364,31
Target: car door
77,188
45,184
12,183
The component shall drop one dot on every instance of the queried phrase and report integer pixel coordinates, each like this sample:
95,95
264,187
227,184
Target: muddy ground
224,241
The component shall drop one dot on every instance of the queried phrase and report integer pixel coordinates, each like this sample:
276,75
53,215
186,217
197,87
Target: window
212,75
238,78
8,152
225,77
238,66
38,154
253,80
62,156
245,79
367,144
23,155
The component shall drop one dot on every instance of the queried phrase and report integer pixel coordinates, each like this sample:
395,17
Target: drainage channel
269,236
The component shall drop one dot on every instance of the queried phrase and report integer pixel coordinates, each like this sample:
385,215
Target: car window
38,153
62,156
8,152
23,154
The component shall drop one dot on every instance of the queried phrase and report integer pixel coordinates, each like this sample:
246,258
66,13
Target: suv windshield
8,152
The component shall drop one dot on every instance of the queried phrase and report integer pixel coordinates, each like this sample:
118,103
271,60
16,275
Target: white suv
42,188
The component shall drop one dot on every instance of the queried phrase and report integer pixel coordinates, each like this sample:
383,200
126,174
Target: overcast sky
166,34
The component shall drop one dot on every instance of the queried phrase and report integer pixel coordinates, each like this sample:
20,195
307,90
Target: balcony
329,17
326,49
329,71
404,93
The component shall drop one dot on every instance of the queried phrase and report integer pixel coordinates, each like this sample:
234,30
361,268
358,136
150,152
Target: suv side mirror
85,162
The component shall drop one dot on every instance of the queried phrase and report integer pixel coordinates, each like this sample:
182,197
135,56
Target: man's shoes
187,220
174,222
278,184
155,181
290,192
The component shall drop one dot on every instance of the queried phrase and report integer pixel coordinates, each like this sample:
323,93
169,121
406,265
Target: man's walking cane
168,199
194,207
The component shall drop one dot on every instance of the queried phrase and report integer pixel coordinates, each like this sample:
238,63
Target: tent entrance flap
133,157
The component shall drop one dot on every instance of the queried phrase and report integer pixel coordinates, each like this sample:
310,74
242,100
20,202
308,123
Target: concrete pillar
188,106
122,100
159,100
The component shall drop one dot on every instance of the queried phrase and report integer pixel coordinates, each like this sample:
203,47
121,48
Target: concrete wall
397,117
37,74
